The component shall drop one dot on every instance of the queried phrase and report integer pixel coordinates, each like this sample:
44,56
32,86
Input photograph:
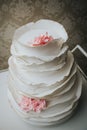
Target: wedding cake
44,81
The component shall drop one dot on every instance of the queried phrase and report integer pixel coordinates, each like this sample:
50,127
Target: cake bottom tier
38,120
55,113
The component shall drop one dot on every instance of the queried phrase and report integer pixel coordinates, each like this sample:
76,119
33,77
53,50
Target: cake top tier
43,39
40,33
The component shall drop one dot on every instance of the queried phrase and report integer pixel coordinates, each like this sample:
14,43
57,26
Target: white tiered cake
44,81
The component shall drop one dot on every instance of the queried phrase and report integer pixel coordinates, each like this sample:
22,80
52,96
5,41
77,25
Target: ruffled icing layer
28,32
47,85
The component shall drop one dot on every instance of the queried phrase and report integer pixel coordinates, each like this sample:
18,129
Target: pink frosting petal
42,40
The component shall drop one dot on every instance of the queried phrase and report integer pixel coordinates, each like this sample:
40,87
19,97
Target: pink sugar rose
27,104
42,40
38,105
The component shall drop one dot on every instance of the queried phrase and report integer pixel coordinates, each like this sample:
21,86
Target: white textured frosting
46,72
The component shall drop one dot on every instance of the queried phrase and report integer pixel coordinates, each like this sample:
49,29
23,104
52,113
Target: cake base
37,123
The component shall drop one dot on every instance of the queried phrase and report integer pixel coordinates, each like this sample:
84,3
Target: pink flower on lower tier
27,104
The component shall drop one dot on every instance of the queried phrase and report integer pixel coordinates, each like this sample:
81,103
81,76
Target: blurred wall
14,13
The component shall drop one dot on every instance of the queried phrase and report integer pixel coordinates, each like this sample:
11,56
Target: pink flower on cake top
42,40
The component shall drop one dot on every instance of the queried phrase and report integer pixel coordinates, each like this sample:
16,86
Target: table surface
9,120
